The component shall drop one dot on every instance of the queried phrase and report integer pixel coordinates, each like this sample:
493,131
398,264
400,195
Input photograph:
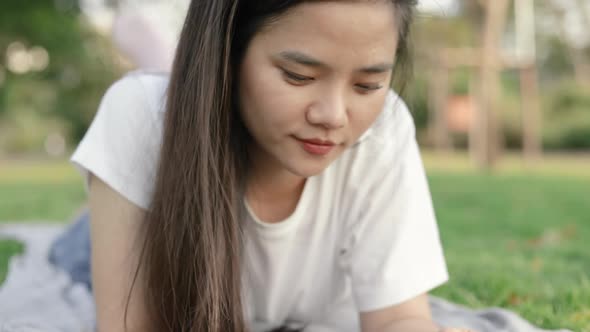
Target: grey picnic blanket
37,296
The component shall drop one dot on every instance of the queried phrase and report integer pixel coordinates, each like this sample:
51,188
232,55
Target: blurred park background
501,99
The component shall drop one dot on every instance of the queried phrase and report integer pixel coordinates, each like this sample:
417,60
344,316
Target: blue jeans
71,250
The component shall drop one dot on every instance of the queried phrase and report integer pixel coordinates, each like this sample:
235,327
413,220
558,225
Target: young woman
271,182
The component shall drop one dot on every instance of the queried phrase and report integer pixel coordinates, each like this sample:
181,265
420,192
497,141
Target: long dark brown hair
191,238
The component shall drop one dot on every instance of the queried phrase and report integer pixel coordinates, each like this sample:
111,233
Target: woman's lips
316,146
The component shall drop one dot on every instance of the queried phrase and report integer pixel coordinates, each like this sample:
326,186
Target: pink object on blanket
140,37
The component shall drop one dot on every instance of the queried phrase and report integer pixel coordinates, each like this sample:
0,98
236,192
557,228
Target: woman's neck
271,190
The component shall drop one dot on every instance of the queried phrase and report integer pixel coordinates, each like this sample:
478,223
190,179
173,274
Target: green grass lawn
39,191
7,249
515,239
518,242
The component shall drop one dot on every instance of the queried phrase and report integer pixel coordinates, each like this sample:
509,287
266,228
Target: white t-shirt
362,237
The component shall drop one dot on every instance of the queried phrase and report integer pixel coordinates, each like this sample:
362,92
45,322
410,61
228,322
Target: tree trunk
488,149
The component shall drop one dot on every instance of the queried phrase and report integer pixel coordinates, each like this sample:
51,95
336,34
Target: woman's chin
309,168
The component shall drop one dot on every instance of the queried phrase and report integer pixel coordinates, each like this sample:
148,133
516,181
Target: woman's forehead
364,15
324,30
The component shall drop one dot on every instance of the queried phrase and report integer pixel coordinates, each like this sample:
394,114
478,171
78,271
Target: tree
56,66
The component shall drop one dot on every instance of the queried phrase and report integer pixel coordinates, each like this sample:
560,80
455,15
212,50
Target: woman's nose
328,111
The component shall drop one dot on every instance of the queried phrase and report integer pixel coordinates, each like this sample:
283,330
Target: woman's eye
368,87
296,78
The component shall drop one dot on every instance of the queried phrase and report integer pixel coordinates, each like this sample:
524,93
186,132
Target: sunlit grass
37,171
39,191
512,163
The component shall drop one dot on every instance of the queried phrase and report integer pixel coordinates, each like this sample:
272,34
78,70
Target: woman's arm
114,223
411,316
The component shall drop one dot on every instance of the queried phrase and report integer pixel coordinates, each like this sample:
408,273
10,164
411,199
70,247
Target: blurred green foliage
565,108
63,97
565,103
567,117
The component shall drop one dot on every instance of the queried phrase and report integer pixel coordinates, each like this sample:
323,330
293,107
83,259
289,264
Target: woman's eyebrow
377,69
301,58
307,60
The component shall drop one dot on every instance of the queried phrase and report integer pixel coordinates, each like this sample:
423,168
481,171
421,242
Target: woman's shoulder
379,151
392,130
122,144
139,89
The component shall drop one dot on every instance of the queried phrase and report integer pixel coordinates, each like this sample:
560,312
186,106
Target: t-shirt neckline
278,228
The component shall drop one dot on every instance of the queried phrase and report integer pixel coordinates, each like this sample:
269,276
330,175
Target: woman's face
315,80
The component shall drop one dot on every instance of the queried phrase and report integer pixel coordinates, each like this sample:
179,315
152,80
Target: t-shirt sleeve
396,253
122,144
